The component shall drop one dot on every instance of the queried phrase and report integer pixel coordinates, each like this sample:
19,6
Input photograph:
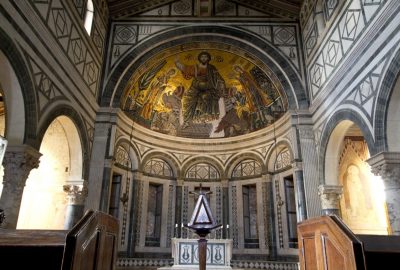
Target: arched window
202,171
158,167
89,16
248,167
282,160
122,157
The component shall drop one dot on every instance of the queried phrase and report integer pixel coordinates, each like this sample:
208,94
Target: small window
291,211
89,16
250,221
154,211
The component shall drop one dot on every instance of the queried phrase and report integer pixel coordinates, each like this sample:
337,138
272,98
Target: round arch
274,151
73,122
267,53
235,160
19,94
202,159
387,113
170,160
332,135
130,149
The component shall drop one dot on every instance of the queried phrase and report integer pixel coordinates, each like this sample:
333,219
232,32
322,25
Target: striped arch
331,137
260,48
19,95
75,117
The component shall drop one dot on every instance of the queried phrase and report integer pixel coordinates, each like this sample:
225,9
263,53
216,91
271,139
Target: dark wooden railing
326,243
90,244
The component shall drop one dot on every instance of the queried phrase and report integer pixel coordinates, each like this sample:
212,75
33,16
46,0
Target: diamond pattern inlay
125,34
351,22
76,45
333,48
284,36
60,22
317,75
91,73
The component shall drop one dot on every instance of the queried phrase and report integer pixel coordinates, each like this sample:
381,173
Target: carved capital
330,196
18,162
297,165
76,194
306,133
387,165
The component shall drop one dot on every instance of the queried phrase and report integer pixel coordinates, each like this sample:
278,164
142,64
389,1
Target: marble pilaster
387,165
300,191
330,199
18,162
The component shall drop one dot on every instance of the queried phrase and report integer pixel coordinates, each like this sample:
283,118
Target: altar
185,254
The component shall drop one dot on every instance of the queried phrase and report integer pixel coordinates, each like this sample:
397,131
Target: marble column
387,165
76,195
225,207
330,199
300,191
178,207
271,214
18,162
310,169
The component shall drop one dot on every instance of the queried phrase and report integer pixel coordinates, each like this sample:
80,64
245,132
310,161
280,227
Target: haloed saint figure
200,101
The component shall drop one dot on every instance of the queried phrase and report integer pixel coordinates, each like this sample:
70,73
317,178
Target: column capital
330,196
225,182
297,165
387,165
18,162
180,182
76,194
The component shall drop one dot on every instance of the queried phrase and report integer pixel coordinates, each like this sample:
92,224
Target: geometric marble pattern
279,213
45,87
365,93
139,200
329,8
235,230
125,36
284,37
170,212
59,22
156,166
248,167
122,157
264,265
202,171
283,160
346,31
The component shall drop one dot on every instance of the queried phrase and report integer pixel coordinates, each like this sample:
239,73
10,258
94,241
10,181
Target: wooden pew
327,243
90,244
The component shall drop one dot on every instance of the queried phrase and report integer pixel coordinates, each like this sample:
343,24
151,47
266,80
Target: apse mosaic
204,90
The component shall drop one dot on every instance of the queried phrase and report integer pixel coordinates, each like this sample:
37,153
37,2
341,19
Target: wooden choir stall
90,244
326,243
